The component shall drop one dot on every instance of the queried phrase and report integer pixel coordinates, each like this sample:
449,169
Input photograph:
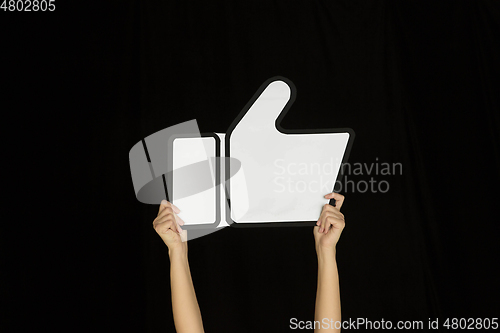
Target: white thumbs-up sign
256,174
284,174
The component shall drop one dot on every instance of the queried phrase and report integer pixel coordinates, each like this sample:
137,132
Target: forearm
328,292
187,316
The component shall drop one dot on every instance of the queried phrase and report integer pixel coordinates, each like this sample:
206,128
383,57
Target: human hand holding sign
277,180
330,224
168,226
187,315
326,234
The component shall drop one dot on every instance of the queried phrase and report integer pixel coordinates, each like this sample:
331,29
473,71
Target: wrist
177,252
326,252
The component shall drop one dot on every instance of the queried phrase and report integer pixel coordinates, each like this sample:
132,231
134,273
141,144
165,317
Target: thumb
169,204
339,199
266,105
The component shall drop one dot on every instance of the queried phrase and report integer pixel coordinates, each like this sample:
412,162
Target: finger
163,228
166,211
163,219
176,209
335,220
330,210
166,203
338,224
327,223
326,210
169,212
162,207
339,199
322,217
322,223
172,228
179,220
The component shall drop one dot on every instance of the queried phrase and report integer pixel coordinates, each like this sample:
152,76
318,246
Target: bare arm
328,292
187,315
326,234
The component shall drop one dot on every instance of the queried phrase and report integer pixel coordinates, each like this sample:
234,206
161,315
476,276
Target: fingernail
164,202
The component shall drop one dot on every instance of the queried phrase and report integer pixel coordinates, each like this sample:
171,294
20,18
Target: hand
168,225
330,224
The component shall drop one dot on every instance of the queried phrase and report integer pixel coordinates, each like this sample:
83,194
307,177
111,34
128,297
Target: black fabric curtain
418,82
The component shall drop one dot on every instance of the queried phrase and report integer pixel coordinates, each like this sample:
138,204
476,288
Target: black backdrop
417,81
